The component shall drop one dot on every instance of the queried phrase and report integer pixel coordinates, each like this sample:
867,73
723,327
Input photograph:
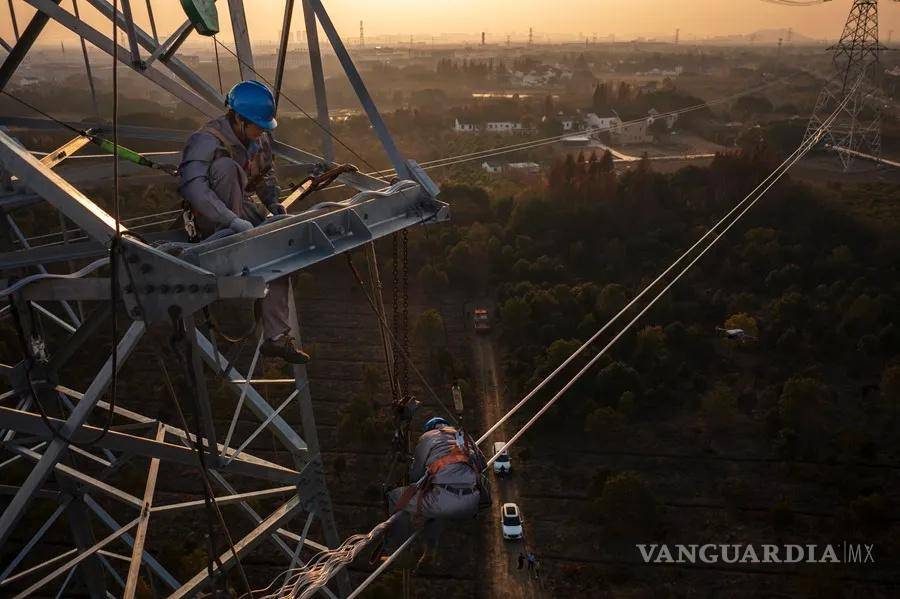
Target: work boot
284,347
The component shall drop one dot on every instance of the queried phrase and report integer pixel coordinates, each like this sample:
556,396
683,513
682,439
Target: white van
502,465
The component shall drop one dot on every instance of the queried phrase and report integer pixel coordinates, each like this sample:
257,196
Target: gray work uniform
453,493
214,182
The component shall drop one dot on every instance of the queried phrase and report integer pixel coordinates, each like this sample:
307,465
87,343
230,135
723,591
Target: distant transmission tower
362,36
858,126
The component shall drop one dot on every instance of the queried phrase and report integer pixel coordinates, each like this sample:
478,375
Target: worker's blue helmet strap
254,102
435,422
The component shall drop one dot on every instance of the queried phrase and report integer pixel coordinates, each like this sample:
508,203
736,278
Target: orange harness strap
455,456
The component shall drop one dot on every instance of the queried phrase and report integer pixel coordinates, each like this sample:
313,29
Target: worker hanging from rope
223,165
447,469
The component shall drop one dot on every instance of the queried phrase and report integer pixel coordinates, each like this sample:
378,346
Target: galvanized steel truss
110,525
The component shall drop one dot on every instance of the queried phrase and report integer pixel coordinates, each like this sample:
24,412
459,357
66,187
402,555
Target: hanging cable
218,66
386,327
744,205
748,202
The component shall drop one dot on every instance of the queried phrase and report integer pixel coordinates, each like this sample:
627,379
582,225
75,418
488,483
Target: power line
748,202
482,154
768,182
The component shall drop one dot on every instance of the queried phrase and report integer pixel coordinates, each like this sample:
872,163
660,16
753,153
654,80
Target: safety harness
460,453
256,168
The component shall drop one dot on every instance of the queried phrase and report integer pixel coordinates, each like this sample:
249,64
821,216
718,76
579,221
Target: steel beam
152,21
73,474
228,559
82,556
140,535
23,44
178,68
283,49
38,567
362,92
56,190
29,423
225,499
79,27
17,232
37,536
151,562
129,32
172,43
281,429
241,39
79,524
171,430
16,508
318,77
87,64
292,243
12,17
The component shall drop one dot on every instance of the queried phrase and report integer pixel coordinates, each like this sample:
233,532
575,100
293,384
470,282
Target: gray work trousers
438,504
227,179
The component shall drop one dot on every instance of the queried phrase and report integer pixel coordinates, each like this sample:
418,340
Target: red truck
481,320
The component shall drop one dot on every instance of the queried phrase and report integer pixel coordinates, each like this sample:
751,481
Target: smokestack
530,36
482,38
677,35
362,36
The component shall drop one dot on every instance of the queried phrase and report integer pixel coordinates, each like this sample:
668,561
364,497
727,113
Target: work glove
239,225
276,208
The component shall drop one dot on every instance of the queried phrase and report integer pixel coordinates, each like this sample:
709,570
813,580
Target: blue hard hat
435,422
253,101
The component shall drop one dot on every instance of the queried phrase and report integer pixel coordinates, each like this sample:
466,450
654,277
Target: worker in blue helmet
445,474
228,185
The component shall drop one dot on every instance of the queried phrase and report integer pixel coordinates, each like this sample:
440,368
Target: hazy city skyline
568,18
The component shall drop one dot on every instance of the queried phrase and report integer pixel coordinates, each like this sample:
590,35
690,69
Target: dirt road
497,568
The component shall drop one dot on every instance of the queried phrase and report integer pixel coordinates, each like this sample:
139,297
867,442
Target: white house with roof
654,114
464,126
598,123
504,127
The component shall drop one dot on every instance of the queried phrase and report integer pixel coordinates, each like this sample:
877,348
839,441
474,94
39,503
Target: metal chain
395,316
404,311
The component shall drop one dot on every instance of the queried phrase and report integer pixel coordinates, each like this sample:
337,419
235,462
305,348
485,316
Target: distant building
661,72
532,168
464,126
504,127
492,167
570,123
604,123
653,115
632,133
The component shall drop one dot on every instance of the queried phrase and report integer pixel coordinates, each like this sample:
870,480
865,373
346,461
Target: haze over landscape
609,313
499,18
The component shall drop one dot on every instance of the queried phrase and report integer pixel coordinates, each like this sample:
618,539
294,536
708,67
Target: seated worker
450,491
222,165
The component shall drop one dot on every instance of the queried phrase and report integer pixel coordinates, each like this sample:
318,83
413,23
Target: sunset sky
498,18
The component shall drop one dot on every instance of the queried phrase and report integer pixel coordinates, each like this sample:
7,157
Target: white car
502,465
511,521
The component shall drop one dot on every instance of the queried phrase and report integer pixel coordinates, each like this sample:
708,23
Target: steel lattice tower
858,128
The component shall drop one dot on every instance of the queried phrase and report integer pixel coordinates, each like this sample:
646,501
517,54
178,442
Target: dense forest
815,288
